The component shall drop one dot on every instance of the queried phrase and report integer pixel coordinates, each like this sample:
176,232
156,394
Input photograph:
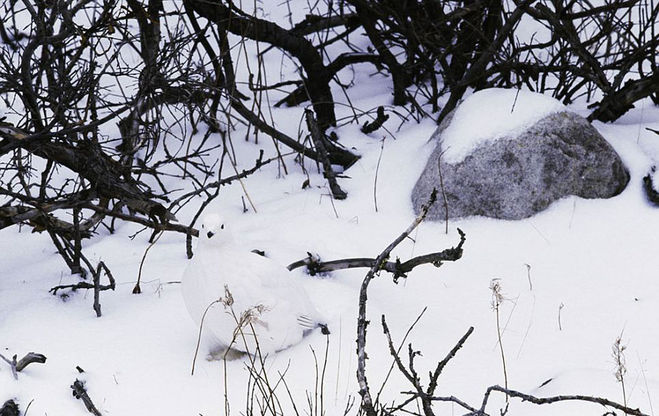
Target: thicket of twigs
154,73
110,104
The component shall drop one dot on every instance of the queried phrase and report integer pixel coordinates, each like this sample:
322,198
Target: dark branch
555,399
648,186
440,366
371,126
9,408
314,23
398,269
319,140
30,357
367,400
336,156
617,103
18,366
89,161
265,31
80,392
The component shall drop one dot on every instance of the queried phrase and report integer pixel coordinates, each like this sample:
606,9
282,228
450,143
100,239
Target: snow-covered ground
575,278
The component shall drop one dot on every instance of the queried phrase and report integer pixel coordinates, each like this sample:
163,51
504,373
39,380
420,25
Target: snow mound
492,114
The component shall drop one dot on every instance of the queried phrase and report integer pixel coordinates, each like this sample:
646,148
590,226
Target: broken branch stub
18,365
10,408
30,357
80,392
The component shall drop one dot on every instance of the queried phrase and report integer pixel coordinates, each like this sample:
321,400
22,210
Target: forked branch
362,323
553,399
397,268
426,396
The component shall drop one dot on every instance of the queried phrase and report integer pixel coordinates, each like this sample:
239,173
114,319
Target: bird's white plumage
269,303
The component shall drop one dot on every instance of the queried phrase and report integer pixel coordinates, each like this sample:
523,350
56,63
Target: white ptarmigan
248,300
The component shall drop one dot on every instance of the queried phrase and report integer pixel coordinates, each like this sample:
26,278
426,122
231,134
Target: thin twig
12,365
553,399
449,357
375,181
137,289
497,300
201,325
441,187
528,275
402,342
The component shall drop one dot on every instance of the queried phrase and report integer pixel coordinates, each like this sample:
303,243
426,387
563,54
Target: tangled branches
103,122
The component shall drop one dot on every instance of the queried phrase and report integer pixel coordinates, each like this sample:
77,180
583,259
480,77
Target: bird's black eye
222,227
202,225
210,234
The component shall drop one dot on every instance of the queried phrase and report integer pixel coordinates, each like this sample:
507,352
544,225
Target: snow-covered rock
493,114
515,174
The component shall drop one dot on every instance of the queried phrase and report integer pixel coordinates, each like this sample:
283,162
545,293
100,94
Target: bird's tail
310,324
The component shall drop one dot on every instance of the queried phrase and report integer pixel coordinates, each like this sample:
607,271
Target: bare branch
265,31
18,366
398,269
554,399
30,357
9,408
362,323
319,141
80,392
617,103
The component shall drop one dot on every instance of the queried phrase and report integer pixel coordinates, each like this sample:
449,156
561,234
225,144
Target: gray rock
560,155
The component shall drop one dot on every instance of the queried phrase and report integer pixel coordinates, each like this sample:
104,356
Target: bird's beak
210,234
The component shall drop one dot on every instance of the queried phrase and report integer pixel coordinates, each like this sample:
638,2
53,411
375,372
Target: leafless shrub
67,79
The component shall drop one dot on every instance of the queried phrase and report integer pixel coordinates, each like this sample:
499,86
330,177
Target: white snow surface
492,114
574,277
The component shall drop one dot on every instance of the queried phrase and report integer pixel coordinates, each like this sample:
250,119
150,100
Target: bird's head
214,230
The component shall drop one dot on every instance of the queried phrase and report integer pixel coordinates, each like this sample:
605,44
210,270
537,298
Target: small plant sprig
261,390
618,353
497,300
